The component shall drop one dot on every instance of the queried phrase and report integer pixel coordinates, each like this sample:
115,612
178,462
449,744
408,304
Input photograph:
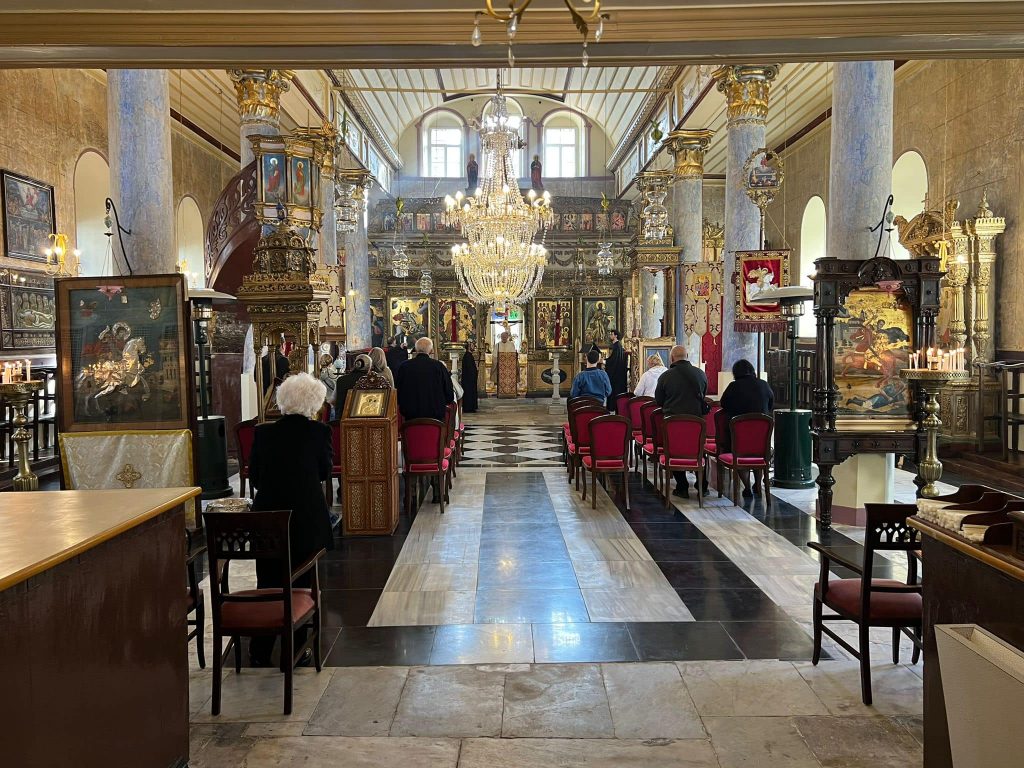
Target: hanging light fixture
400,261
605,259
346,211
426,282
513,16
61,261
653,185
500,264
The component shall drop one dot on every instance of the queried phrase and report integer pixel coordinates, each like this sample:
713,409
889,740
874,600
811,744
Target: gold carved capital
360,177
259,93
746,89
688,148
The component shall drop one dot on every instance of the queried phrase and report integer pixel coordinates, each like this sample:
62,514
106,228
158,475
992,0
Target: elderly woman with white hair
649,381
290,460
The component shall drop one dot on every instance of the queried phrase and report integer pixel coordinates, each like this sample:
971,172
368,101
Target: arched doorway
92,188
909,190
189,231
813,228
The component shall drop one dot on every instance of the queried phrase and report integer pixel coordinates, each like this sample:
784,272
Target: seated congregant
680,392
649,381
360,366
745,394
380,365
290,460
592,380
424,385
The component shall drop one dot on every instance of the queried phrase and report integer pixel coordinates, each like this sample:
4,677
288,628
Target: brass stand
930,383
19,394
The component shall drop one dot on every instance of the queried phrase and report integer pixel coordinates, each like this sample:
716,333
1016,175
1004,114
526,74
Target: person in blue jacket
592,380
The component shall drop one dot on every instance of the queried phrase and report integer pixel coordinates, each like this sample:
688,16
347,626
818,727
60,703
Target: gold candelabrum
929,382
19,394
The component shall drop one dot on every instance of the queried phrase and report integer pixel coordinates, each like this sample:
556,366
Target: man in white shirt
649,381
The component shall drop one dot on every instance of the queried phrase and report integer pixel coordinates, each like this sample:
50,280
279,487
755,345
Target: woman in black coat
291,459
468,380
745,394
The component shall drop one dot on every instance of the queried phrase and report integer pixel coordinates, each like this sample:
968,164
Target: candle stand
929,383
19,394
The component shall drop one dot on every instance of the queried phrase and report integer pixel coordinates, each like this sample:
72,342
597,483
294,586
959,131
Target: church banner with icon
702,314
456,323
552,323
758,271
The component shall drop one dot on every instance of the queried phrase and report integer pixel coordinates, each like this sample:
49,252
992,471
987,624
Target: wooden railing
778,377
232,225
1009,414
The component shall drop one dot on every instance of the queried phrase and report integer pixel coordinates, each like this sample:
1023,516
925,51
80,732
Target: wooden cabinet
370,463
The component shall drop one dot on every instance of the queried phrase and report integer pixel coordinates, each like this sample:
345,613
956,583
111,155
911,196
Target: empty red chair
751,449
609,453
424,442
579,438
245,433
571,405
682,441
632,412
620,403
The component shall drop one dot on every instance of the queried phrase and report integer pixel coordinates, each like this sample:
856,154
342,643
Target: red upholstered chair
260,612
682,450
712,445
579,437
869,602
650,447
609,452
572,404
721,420
751,450
336,469
424,442
245,433
451,452
632,412
620,403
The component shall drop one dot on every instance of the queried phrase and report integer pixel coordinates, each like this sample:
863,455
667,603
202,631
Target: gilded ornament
128,476
259,93
688,147
746,89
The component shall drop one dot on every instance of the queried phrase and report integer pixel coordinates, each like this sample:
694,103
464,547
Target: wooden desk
92,628
964,583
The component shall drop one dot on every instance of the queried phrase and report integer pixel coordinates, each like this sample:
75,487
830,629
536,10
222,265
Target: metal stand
19,394
930,383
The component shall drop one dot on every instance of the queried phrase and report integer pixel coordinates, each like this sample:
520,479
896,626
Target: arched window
564,146
92,188
909,190
812,246
516,113
443,143
188,230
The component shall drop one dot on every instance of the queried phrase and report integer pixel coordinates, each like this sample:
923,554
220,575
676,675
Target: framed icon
368,403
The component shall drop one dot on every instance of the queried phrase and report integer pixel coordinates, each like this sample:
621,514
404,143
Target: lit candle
28,370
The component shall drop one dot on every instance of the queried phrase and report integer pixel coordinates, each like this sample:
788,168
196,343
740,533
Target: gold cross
128,476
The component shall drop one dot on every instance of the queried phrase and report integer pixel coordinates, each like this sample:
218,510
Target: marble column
652,297
259,103
860,174
141,182
688,148
746,90
357,270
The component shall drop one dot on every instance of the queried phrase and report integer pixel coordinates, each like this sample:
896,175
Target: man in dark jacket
746,394
681,391
615,367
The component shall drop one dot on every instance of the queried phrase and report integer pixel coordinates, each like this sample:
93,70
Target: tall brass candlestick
19,394
930,382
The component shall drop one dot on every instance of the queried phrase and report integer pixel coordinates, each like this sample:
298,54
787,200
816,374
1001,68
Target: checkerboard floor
500,446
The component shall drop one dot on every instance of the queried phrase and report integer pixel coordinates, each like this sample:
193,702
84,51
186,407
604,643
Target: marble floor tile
450,701
219,746
617,574
859,742
587,753
787,590
353,752
257,696
895,689
373,646
483,644
650,701
635,604
784,640
759,742
675,641
432,577
556,701
360,701
579,642
423,608
273,730
748,689
529,606
623,548
914,725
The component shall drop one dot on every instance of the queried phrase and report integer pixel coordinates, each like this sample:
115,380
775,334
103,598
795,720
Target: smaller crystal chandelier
654,216
400,261
346,212
60,260
426,282
605,259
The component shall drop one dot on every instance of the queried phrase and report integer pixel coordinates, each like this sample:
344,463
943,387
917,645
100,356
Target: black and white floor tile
503,446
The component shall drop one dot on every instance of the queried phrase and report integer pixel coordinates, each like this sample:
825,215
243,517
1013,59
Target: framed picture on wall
410,315
552,323
124,353
29,216
27,312
600,316
456,323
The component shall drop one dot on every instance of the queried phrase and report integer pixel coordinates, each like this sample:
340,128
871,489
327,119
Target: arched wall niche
813,229
909,192
189,233
92,188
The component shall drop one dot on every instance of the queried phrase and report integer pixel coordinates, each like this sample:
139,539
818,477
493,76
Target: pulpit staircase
233,232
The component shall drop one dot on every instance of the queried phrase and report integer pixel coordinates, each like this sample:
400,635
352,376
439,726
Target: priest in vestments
615,366
470,400
506,367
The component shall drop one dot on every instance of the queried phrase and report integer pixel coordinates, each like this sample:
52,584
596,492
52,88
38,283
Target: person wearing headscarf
360,366
469,374
380,365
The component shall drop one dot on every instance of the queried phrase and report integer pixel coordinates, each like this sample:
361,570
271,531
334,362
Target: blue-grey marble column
328,224
139,140
688,148
746,90
357,275
259,103
860,173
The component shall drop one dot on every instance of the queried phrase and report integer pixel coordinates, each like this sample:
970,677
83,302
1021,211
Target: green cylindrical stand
792,449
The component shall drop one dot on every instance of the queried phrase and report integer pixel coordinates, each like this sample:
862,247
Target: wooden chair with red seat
619,403
751,450
572,404
196,601
260,612
632,412
451,451
710,436
610,438
579,438
870,602
721,421
682,450
336,468
650,446
245,433
424,442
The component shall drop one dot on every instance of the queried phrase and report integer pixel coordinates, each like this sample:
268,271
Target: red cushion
263,615
447,452
427,468
710,446
570,446
650,449
687,463
604,463
638,438
844,596
744,461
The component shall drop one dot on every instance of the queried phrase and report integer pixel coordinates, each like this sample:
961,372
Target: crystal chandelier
605,259
500,263
400,261
426,282
346,212
655,214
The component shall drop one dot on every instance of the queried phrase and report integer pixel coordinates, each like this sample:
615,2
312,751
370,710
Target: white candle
28,370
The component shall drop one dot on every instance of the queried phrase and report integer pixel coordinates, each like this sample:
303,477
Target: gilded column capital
259,93
688,147
746,88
